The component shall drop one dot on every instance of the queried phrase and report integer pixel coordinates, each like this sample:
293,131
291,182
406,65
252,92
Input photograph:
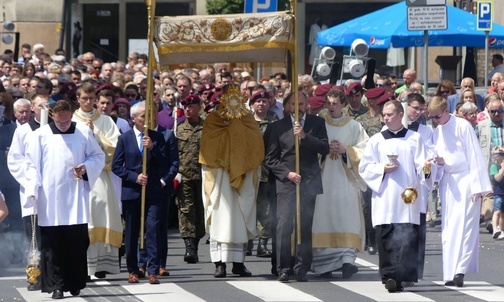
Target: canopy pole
486,58
294,90
425,61
151,8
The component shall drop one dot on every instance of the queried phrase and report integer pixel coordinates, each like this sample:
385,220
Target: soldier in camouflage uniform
189,199
371,122
259,104
354,108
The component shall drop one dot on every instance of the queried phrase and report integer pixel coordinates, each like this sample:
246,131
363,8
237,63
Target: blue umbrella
390,25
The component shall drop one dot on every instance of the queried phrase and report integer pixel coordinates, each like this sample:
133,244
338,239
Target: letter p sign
260,6
485,15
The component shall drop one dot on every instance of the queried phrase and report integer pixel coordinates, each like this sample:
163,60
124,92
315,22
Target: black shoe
391,285
190,255
301,278
326,275
349,270
434,223
283,277
371,250
220,271
449,283
57,294
240,269
458,280
34,287
262,248
489,227
75,293
100,275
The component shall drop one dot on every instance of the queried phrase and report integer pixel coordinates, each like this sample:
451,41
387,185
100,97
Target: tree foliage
224,7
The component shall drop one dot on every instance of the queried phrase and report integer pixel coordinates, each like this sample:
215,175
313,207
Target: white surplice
463,175
230,217
62,200
105,226
17,162
338,222
387,205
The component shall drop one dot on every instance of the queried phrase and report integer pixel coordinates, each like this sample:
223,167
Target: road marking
13,278
160,292
273,291
480,290
376,291
365,263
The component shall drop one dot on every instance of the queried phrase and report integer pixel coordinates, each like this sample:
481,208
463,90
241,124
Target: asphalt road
195,282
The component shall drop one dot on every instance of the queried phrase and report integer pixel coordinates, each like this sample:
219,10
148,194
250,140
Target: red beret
340,88
104,87
375,93
67,87
316,101
322,90
385,98
214,101
354,88
206,87
259,95
191,99
121,101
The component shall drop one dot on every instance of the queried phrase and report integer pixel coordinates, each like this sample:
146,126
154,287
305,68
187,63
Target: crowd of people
222,157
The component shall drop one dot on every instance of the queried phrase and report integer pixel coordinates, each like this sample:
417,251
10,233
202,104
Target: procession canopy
261,37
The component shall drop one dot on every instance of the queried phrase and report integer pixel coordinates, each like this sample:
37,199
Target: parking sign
485,9
260,6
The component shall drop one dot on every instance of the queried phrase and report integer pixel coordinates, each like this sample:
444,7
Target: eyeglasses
417,108
380,85
498,111
128,95
436,117
444,91
97,67
472,113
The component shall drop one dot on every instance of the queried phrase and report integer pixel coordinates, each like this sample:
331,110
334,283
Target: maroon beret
67,87
259,95
385,98
322,90
354,88
214,101
375,93
206,87
104,87
191,99
340,88
316,101
121,101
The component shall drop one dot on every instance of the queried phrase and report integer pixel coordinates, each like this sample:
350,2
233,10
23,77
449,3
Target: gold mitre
232,102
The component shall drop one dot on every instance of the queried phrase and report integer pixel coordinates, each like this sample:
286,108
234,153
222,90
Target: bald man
467,83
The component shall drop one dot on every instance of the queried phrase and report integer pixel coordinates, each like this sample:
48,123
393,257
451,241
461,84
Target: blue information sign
260,6
485,9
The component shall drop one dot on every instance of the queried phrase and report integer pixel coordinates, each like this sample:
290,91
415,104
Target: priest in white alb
338,222
105,226
463,180
393,161
64,163
231,153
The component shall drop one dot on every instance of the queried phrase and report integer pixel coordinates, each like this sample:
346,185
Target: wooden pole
294,86
151,8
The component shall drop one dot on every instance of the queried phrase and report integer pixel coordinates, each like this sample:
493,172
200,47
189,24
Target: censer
410,194
33,268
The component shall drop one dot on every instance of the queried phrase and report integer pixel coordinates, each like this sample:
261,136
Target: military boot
190,254
262,248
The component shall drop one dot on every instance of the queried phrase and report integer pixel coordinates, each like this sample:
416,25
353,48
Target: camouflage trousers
190,209
263,212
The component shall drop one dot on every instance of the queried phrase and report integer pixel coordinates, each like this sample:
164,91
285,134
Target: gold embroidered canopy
261,37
